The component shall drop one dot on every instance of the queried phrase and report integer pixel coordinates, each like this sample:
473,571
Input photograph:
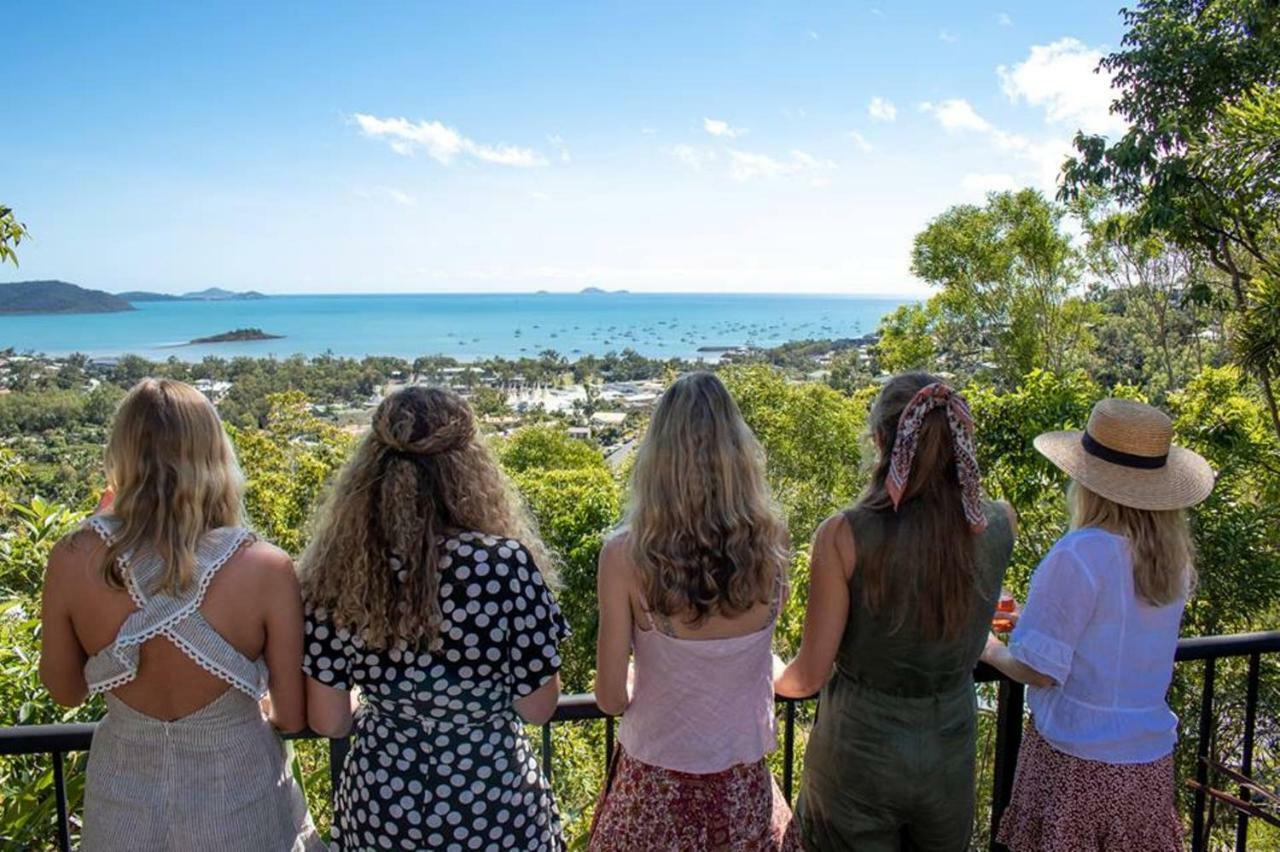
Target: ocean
466,327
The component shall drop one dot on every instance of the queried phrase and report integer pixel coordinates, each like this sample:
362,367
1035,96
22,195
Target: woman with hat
1096,640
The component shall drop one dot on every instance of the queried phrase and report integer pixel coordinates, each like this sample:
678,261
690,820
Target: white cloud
649,131
443,143
948,37
693,156
977,185
1003,19
747,165
860,141
562,150
1061,78
957,114
716,127
401,198
882,109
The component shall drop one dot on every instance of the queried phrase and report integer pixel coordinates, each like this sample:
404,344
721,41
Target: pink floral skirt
1063,803
646,808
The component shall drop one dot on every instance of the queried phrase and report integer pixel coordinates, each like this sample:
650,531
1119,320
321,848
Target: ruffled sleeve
324,654
1059,606
537,628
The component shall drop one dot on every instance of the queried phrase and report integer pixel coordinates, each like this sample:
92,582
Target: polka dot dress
440,759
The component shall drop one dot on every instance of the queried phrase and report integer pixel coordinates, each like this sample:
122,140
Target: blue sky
378,147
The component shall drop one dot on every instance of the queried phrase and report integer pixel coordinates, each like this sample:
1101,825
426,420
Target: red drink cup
1001,623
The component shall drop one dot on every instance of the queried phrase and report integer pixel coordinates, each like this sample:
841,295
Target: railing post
1246,757
1198,838
1009,706
338,749
608,742
788,749
546,750
60,795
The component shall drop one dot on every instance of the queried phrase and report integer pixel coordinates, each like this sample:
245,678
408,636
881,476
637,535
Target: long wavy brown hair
926,569
704,531
1160,543
422,471
175,477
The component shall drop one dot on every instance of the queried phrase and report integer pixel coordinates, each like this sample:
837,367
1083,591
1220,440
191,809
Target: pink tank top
700,705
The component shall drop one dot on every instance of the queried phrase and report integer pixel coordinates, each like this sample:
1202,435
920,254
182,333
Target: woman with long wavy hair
691,586
428,590
185,621
902,590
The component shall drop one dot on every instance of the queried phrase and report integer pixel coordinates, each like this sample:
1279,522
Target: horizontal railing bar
44,739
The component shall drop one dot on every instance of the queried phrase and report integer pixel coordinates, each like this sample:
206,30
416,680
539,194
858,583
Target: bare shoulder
1010,513
268,563
835,535
75,554
833,544
615,558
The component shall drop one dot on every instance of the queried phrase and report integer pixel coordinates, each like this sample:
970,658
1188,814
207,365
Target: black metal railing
59,740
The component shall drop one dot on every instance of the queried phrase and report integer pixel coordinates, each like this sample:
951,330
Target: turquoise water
462,326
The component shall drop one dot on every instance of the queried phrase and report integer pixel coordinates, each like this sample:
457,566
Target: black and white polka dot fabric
440,759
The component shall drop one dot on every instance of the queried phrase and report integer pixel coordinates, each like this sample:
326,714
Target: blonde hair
175,477
1160,542
421,472
704,530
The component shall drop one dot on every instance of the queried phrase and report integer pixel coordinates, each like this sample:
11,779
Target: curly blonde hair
703,528
175,477
422,471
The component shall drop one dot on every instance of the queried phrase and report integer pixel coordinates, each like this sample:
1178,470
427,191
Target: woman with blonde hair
426,589
902,590
691,586
1097,638
184,620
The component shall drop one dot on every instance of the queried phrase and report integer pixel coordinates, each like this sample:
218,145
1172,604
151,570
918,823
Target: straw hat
1125,455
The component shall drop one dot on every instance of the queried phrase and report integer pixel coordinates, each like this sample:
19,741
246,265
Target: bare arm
283,651
539,706
613,641
996,654
830,566
62,658
329,710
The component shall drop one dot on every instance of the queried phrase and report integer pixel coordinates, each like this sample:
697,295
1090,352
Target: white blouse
1110,653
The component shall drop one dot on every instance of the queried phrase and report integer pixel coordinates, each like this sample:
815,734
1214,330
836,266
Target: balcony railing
56,741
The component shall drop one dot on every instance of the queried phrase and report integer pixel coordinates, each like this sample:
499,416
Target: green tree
1006,272
12,232
906,339
1195,80
489,402
574,497
288,464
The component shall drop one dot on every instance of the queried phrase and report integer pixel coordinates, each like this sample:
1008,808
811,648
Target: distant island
239,335
597,291
212,294
57,297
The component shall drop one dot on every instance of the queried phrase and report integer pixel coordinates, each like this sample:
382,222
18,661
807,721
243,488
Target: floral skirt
1063,803
646,808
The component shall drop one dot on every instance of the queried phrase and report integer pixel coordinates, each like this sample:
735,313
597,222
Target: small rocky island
239,335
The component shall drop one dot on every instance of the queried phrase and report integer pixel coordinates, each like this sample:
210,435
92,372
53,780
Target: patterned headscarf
930,397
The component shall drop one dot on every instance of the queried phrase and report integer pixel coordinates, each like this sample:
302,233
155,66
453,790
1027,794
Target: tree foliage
12,232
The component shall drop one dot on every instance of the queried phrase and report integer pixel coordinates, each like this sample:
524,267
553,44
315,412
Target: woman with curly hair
691,586
427,588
